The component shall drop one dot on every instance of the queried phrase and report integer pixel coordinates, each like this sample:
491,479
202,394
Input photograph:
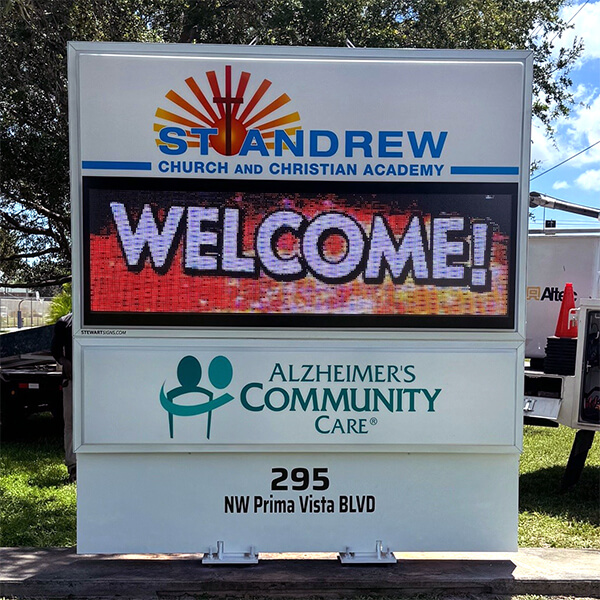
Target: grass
38,506
548,518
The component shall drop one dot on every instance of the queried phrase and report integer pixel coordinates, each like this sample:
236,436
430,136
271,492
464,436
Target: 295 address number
299,479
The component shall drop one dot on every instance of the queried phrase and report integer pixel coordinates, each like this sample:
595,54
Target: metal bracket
380,556
218,556
529,403
542,407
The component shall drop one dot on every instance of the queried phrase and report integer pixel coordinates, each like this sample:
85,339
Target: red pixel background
114,288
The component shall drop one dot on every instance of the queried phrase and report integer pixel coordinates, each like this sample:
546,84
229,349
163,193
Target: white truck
555,258
552,396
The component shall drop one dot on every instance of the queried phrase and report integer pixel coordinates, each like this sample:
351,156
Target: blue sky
578,180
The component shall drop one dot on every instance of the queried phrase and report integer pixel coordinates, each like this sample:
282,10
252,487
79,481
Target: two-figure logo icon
189,374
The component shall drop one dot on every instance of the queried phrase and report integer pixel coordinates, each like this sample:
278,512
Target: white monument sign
299,312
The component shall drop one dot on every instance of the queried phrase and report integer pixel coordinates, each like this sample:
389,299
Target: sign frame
109,519
304,318
174,51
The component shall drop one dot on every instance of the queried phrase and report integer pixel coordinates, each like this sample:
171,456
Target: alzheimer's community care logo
210,114
189,373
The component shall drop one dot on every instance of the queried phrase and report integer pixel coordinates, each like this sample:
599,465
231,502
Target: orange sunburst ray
182,103
202,98
291,118
216,90
260,92
281,101
161,113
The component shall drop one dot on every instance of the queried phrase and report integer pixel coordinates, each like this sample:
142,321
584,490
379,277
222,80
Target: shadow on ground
41,426
540,491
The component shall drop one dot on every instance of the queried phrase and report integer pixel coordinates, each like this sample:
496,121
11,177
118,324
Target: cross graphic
228,100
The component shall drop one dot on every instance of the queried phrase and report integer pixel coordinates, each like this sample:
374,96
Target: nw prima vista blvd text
302,504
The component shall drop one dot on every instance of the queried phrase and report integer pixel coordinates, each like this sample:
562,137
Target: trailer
30,378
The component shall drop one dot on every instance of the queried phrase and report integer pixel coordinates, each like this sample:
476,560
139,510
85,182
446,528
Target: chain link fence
16,313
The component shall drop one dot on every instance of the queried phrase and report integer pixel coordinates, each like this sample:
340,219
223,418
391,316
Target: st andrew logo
189,374
222,119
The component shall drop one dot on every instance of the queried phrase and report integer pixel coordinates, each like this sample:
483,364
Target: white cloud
590,180
585,128
582,127
583,93
560,185
586,25
542,148
573,134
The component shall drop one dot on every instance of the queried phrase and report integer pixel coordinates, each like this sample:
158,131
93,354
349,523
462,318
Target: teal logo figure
189,374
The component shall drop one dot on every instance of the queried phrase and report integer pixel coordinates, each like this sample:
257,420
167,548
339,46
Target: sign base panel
411,502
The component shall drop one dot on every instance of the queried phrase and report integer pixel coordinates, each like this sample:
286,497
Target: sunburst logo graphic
231,114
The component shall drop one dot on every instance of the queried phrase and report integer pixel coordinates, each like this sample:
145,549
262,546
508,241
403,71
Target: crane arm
538,199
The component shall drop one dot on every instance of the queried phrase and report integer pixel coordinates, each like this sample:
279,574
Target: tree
459,24
34,137
371,23
503,25
34,199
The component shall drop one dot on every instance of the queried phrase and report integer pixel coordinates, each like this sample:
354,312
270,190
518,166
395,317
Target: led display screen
287,253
